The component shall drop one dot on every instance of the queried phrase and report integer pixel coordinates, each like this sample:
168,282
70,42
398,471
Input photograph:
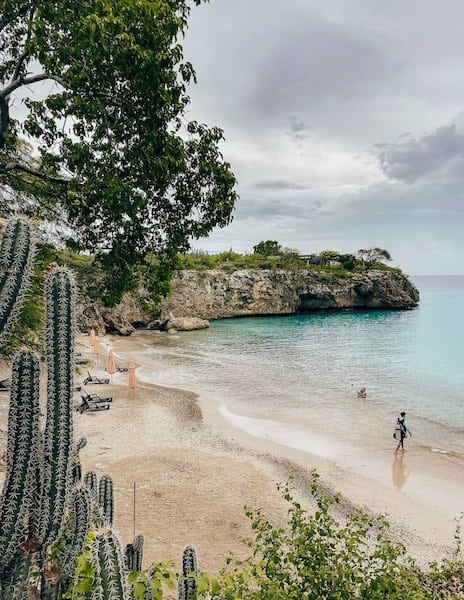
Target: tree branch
22,81
4,120
16,166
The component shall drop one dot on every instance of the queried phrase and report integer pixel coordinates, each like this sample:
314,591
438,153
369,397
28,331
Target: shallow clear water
306,368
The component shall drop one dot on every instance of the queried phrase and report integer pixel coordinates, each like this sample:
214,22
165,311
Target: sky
344,124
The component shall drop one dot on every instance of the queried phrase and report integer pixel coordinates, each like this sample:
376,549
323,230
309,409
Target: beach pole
133,517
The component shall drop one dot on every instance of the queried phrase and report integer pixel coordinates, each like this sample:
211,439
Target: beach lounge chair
93,402
96,398
5,384
122,369
94,379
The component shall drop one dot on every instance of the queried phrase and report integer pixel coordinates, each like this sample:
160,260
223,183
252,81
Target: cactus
45,511
16,258
79,528
187,582
105,498
16,577
109,576
133,554
90,482
23,426
38,473
58,427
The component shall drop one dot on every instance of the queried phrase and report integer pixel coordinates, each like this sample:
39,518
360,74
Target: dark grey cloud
408,159
298,129
278,185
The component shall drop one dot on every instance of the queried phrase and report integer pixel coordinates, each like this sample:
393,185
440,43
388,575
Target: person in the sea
362,392
401,430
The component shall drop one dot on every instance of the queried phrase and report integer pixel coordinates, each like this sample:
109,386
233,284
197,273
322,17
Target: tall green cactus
16,259
23,436
58,428
37,482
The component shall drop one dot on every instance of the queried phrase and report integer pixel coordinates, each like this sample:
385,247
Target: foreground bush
317,557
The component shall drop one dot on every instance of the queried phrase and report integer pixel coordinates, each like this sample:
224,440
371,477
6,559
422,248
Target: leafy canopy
372,255
101,138
268,248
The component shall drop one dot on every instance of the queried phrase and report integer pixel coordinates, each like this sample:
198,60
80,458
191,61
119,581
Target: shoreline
195,470
423,517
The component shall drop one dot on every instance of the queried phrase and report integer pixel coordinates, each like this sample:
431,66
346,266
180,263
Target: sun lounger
93,402
5,384
122,369
94,379
96,398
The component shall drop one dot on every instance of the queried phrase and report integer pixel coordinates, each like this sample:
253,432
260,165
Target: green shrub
315,557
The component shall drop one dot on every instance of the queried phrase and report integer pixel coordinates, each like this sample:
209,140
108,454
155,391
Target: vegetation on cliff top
271,255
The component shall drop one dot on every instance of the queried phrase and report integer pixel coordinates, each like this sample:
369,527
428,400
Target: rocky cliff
200,295
218,294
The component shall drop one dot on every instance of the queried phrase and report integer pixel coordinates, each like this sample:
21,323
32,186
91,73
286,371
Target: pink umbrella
92,336
111,363
97,346
132,382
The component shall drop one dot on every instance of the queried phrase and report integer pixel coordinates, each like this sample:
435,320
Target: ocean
294,378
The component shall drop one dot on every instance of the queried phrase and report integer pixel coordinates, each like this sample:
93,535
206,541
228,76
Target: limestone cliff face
217,294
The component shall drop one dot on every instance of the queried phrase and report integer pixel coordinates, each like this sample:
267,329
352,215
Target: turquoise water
305,369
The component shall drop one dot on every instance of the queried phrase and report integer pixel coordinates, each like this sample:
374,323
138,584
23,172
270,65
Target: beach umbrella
97,347
111,364
92,336
132,381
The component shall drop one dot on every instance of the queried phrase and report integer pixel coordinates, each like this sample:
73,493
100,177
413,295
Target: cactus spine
16,257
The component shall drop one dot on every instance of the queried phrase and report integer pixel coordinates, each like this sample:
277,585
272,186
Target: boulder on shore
186,324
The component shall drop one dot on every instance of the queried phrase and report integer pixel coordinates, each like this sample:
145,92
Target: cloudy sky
344,123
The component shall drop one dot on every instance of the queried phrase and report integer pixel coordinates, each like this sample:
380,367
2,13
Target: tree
104,113
370,256
268,248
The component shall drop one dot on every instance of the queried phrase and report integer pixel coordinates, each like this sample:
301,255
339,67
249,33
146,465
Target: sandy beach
195,470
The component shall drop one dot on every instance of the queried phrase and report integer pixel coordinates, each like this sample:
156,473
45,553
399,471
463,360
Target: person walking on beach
401,430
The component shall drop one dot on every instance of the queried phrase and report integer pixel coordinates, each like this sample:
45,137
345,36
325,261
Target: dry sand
194,473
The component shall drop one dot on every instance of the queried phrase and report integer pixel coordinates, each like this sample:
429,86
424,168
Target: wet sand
195,468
